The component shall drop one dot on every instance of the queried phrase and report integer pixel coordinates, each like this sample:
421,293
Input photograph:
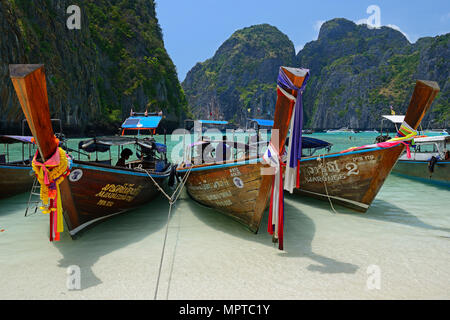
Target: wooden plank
31,88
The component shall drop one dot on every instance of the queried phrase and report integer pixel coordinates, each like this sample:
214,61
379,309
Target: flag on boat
286,88
294,149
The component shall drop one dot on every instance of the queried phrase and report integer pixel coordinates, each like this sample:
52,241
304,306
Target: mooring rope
324,182
172,200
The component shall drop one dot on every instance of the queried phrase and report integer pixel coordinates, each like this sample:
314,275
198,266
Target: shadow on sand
299,233
108,236
13,204
380,210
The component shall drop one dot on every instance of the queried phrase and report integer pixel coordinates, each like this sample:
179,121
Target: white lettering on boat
126,192
218,196
333,171
234,172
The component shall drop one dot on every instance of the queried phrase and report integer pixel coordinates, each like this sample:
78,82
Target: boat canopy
313,143
103,144
141,122
212,121
232,144
307,143
394,119
432,139
263,122
15,139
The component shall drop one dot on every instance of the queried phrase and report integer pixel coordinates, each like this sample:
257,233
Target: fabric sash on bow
276,219
50,174
294,150
405,136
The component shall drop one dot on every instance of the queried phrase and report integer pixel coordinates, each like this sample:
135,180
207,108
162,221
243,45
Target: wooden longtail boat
429,162
15,176
236,187
354,178
93,191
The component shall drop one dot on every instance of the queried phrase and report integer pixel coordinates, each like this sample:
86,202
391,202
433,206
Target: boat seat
2,158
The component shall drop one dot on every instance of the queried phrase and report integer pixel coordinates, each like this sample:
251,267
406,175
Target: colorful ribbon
276,211
50,174
294,151
405,136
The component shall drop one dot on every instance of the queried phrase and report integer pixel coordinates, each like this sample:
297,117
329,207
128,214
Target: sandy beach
209,256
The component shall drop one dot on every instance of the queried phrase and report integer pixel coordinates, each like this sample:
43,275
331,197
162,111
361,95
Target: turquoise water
405,234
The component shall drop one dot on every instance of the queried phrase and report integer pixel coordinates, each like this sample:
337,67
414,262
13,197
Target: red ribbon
270,226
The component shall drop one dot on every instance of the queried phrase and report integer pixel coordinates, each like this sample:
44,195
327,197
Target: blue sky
194,29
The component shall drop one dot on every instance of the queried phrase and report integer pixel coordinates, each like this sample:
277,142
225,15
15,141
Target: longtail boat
83,192
353,177
429,162
237,187
15,175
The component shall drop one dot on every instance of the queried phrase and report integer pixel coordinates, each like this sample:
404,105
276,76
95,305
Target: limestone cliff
95,75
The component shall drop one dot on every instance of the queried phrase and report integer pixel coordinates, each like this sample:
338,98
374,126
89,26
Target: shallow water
405,233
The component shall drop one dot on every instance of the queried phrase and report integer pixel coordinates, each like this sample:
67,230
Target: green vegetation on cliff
238,82
357,73
115,62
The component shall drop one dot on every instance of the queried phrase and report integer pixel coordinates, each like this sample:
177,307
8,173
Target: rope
172,200
162,253
173,258
325,184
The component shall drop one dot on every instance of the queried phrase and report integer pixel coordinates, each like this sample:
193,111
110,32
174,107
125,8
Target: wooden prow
31,88
422,97
284,106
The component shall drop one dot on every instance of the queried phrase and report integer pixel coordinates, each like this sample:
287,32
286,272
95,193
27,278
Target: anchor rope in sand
172,200
322,160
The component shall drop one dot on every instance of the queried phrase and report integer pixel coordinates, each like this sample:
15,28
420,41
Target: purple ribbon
295,140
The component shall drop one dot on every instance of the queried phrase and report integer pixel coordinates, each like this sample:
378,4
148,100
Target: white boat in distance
436,132
371,131
341,130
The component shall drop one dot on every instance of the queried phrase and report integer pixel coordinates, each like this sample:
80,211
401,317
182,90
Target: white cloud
374,20
395,27
361,21
298,48
318,24
392,26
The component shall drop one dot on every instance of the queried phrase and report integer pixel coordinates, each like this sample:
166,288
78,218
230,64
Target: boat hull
94,192
15,179
418,170
236,190
351,179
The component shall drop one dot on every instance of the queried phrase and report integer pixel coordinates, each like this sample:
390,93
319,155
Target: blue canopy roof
15,139
142,122
310,143
263,122
213,121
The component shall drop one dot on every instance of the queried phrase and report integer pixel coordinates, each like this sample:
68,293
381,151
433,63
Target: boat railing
5,157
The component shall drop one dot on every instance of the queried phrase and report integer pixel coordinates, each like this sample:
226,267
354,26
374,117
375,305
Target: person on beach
124,155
